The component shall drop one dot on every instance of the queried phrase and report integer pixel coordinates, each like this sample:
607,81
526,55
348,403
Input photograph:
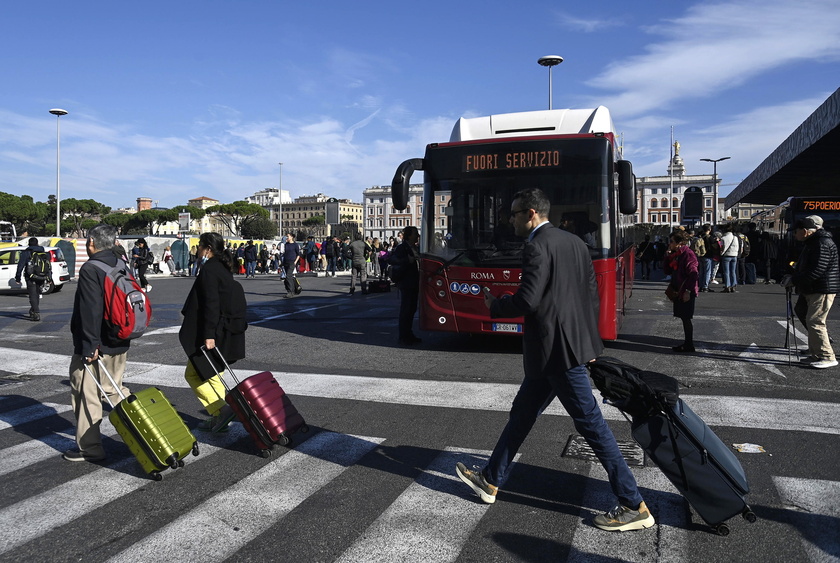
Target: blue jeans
331,264
250,268
708,266
575,393
730,275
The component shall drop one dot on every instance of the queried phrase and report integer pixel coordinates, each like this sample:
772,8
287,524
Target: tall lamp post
57,112
550,61
714,162
280,184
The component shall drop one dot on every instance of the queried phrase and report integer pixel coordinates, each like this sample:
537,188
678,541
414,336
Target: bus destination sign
820,205
512,160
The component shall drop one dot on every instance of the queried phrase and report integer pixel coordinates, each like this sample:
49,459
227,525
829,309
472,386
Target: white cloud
714,47
586,25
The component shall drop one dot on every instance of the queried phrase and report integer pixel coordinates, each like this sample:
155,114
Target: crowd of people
557,296
691,263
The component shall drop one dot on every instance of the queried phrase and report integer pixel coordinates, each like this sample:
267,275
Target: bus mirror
627,201
400,183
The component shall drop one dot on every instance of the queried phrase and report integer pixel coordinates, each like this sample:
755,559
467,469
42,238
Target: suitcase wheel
265,453
195,449
304,428
180,463
156,476
722,530
283,440
749,515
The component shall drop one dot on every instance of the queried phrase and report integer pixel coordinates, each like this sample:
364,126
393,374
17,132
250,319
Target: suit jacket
558,297
215,308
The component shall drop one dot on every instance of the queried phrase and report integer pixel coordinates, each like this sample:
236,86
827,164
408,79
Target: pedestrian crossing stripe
740,412
256,502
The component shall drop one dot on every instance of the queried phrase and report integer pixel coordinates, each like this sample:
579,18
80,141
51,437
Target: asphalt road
372,480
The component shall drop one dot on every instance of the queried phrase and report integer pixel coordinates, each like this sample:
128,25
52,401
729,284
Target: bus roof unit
532,123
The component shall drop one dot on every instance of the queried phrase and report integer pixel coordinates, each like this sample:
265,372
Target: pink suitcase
263,408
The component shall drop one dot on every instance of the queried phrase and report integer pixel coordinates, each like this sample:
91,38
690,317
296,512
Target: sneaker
219,422
808,360
35,317
148,288
76,455
822,364
666,278
224,417
715,282
475,479
623,519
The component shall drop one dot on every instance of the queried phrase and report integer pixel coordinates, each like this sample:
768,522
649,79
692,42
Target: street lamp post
714,162
280,184
57,112
550,61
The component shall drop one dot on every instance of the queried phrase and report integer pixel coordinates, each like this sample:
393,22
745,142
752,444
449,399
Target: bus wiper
449,262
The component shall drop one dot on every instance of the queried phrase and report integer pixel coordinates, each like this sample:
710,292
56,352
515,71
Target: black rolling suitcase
702,468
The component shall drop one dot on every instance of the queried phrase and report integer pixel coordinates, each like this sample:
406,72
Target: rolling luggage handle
110,378
224,361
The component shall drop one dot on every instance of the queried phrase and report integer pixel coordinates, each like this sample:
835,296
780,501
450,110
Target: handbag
672,293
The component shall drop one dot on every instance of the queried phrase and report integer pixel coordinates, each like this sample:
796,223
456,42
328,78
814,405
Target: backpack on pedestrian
39,267
745,245
698,246
127,309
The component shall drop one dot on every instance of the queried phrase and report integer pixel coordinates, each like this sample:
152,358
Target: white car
9,258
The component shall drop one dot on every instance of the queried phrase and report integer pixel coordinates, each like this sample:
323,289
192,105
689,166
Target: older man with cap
816,278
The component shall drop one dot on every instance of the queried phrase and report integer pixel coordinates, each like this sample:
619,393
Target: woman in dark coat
681,265
214,317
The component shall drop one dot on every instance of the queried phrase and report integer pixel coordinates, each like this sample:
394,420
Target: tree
314,220
118,220
20,211
77,211
237,214
261,228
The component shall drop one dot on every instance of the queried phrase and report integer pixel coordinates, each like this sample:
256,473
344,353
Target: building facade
661,197
296,215
383,221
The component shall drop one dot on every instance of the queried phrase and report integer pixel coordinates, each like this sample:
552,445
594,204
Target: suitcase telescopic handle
224,361
98,384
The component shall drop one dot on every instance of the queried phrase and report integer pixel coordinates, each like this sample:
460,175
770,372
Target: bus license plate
506,327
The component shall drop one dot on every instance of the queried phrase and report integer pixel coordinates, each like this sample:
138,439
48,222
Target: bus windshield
478,181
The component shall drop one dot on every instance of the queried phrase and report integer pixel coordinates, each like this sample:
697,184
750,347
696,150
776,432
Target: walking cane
791,327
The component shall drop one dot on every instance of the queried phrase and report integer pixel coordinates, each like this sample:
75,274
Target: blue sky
176,100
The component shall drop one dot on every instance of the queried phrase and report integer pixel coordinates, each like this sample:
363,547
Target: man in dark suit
558,297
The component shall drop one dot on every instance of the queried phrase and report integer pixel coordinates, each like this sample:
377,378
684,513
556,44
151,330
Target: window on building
675,203
674,218
664,202
708,189
664,218
654,202
675,190
654,219
442,198
708,202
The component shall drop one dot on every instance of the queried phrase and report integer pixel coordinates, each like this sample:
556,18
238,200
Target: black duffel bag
639,393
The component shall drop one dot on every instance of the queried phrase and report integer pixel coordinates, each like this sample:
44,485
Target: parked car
9,258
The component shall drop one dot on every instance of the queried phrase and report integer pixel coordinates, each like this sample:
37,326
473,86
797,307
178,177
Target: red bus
573,156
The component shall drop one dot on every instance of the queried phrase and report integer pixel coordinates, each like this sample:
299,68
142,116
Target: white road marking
668,539
296,312
739,412
36,516
28,414
429,522
815,513
764,358
255,503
